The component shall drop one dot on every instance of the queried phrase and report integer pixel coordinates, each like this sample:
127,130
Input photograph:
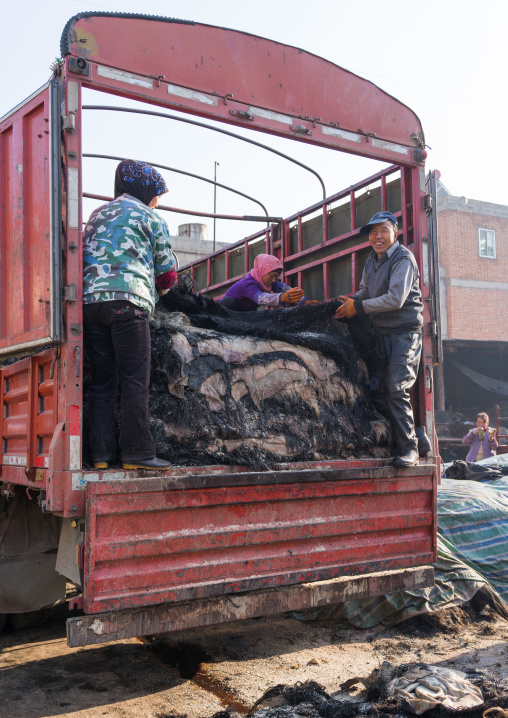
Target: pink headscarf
263,264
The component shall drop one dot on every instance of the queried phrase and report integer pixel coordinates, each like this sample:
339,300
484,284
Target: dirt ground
201,672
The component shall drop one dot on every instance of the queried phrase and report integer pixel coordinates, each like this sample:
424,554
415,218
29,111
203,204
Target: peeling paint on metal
390,146
81,478
343,134
74,452
123,76
15,460
97,627
269,115
192,95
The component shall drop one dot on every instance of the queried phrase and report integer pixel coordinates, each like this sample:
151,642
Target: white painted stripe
15,460
78,481
269,115
74,452
389,146
123,76
72,96
81,478
479,284
192,95
46,462
343,134
72,199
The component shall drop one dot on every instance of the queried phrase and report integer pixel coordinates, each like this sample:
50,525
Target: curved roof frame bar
189,174
196,213
209,127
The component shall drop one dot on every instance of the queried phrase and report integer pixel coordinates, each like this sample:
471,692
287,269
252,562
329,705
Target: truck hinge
69,122
432,329
80,554
427,202
70,293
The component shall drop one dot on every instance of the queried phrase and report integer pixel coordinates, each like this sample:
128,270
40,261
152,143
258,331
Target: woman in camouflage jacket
127,258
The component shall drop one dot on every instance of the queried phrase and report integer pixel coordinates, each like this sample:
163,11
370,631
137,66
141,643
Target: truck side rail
320,247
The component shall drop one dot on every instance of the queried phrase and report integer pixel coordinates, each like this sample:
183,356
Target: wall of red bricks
474,313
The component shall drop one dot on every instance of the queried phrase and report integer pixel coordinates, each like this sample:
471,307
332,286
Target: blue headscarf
140,180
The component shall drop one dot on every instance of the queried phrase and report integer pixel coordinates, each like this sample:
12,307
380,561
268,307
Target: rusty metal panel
162,618
25,224
28,410
15,411
161,540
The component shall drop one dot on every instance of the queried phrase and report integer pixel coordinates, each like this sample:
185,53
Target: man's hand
292,296
346,310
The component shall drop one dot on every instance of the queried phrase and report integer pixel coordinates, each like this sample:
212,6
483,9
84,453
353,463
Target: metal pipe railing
209,127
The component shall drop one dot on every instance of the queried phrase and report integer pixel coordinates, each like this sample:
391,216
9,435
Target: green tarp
472,521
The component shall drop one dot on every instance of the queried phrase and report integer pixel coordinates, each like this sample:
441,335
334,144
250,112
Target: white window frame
486,256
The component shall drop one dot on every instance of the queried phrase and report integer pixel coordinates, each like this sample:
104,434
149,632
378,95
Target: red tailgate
166,539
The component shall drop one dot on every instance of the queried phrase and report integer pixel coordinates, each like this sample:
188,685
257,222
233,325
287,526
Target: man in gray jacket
390,293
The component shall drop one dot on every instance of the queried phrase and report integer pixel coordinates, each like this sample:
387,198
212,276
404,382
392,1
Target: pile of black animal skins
258,388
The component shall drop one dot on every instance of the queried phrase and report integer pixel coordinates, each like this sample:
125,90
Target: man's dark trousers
395,366
117,342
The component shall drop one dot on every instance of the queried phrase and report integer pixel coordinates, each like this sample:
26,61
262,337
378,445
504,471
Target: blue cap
377,219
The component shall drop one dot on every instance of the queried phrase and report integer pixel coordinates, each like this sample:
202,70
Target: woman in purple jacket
262,287
482,439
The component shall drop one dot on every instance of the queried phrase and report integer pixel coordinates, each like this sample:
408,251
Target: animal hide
258,388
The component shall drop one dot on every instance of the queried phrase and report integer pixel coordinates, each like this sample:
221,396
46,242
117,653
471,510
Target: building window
487,243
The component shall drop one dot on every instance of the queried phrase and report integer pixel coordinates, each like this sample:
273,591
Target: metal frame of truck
195,546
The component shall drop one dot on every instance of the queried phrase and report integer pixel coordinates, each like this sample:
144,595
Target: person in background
262,287
390,294
127,262
481,439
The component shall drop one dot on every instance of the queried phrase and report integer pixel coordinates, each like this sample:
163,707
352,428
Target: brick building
473,259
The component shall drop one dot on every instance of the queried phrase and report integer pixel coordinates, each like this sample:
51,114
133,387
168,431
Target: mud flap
28,543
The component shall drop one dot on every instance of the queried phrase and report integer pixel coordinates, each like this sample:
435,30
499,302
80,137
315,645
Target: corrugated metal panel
25,229
162,540
28,409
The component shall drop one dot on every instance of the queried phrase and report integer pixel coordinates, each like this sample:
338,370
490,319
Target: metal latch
69,122
243,114
301,129
427,202
70,293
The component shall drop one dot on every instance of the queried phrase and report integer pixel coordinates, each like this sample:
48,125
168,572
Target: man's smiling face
382,236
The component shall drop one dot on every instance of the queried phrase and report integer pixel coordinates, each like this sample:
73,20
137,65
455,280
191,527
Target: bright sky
446,59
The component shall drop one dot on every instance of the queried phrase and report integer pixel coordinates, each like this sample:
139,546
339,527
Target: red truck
194,546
